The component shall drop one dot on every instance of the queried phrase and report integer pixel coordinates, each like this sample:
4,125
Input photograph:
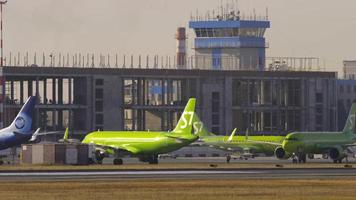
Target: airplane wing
350,145
50,133
126,148
179,139
345,148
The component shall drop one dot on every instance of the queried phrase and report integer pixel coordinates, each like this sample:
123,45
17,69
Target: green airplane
145,145
333,144
247,145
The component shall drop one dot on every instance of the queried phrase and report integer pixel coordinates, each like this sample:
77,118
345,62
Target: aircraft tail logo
23,121
199,128
185,123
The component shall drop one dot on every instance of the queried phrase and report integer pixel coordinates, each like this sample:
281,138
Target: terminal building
229,74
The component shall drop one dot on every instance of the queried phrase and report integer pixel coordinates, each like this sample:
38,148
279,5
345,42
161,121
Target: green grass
182,189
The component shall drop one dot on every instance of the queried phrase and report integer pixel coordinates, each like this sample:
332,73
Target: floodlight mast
1,42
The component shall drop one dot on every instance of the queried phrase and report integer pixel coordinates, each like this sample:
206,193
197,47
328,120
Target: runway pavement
213,172
181,174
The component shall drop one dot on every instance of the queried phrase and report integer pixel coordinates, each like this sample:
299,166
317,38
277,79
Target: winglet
232,135
247,133
34,136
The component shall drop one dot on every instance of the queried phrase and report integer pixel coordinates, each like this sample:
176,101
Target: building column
54,96
38,100
12,91
60,90
45,100
21,93
30,88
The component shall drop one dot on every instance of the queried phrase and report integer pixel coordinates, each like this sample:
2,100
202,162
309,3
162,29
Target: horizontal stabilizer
35,135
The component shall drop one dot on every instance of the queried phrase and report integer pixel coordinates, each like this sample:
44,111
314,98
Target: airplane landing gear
302,158
153,159
99,157
228,158
118,161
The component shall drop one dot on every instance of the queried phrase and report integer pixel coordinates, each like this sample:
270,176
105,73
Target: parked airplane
145,145
334,144
20,130
247,146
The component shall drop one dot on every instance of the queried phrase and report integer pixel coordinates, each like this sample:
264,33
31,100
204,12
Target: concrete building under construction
139,99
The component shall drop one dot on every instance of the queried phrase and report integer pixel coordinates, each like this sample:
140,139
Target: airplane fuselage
139,142
316,142
255,144
10,139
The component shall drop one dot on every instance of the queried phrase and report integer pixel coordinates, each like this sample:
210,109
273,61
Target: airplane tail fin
185,123
66,134
351,119
23,121
199,128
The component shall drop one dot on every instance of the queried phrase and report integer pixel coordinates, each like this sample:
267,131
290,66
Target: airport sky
317,28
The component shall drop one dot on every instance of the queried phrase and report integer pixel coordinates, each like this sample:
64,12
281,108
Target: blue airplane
20,130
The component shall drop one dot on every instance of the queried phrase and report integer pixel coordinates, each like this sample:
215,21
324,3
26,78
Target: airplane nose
284,144
287,146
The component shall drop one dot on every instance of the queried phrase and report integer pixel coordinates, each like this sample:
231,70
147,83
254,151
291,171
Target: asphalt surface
212,174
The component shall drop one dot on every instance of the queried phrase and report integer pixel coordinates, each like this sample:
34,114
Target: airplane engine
336,154
280,153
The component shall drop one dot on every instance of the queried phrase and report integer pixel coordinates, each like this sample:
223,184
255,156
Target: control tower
230,40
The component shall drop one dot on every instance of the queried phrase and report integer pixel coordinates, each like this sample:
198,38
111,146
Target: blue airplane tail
23,121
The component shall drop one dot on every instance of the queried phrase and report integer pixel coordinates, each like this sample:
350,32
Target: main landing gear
302,158
337,160
99,157
118,161
153,159
299,158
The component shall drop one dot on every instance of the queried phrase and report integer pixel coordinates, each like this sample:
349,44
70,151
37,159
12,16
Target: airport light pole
1,42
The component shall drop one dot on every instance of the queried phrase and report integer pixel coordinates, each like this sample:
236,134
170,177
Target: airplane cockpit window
292,139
